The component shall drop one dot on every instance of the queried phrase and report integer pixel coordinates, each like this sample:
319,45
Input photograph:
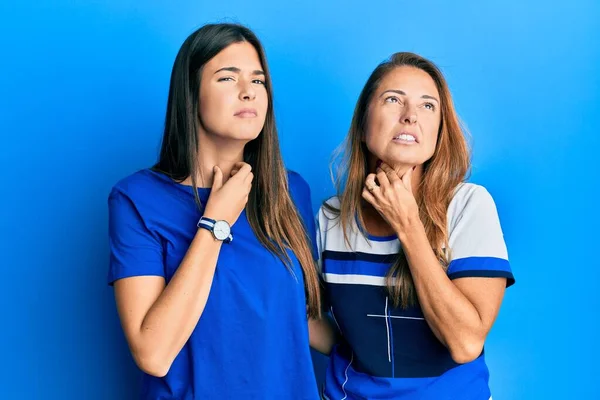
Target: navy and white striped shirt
389,352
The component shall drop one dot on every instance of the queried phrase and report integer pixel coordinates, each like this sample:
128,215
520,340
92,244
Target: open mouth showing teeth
405,138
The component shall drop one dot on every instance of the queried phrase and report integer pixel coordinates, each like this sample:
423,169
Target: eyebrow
237,70
401,93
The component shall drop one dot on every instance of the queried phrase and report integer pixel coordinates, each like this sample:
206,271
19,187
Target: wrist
220,229
410,228
206,236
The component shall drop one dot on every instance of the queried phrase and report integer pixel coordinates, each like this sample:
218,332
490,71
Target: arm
460,312
322,333
158,319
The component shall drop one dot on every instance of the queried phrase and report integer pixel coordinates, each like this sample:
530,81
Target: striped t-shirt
388,352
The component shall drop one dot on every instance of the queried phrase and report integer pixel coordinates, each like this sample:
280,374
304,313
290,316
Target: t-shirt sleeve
325,301
300,192
477,242
134,249
319,244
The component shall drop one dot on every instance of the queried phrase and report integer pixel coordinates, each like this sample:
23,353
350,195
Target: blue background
83,92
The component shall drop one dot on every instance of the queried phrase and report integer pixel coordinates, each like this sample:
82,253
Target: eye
225,79
258,81
392,99
429,106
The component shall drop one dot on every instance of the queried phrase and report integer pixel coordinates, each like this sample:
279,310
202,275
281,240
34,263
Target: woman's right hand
226,201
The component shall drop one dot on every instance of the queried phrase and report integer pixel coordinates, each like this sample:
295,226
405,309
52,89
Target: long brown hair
442,173
270,209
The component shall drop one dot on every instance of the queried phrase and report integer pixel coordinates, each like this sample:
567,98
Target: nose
409,115
247,92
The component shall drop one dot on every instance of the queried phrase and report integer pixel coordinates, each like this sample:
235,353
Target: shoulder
299,189
472,205
468,191
141,189
141,181
469,196
297,183
300,194
328,213
330,207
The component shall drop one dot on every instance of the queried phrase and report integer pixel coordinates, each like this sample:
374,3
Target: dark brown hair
270,209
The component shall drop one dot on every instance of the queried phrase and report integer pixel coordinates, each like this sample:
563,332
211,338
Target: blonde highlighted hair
448,167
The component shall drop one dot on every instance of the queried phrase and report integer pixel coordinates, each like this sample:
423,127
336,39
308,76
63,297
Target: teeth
405,137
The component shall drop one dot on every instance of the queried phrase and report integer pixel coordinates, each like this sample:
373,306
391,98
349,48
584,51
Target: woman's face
233,96
403,118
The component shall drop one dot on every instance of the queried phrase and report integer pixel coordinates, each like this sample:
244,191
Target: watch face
221,230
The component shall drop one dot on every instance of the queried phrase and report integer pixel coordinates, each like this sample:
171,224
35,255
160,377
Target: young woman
211,263
413,258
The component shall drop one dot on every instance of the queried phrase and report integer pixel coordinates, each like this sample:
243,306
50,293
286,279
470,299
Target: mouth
246,113
405,138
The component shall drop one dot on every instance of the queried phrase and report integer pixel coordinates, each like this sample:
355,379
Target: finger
217,178
249,178
371,185
389,171
385,167
234,171
407,179
239,165
382,178
370,181
368,196
243,170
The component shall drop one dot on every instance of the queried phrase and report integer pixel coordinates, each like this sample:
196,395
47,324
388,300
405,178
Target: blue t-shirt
388,352
251,341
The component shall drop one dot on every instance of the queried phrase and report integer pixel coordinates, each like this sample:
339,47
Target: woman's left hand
392,197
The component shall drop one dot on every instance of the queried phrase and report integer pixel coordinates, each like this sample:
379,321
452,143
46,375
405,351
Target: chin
246,136
405,159
246,131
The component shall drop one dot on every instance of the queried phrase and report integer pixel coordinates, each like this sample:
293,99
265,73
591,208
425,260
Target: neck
374,223
417,175
214,150
401,169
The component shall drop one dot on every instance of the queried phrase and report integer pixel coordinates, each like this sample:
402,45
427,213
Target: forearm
451,316
171,320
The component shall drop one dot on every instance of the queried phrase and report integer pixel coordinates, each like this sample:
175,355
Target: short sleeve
326,302
300,192
134,249
477,247
319,244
